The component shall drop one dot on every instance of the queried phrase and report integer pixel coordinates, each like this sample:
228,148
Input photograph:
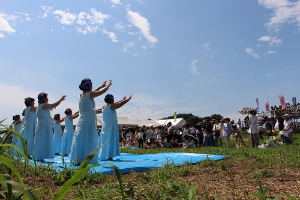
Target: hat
286,115
253,111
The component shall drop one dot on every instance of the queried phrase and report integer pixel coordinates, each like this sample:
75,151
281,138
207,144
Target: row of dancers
36,126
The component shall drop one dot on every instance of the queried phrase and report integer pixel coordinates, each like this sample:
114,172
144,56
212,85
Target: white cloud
193,68
206,46
26,15
271,52
284,12
47,11
4,24
119,26
265,39
272,74
65,17
142,23
141,107
275,42
127,46
111,35
251,53
116,2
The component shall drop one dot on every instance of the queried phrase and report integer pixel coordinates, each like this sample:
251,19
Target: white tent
177,124
124,121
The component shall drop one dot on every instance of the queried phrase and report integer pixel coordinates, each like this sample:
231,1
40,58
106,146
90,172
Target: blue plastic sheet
138,163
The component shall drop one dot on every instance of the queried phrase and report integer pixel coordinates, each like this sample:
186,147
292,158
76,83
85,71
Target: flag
175,115
267,106
282,101
294,101
257,104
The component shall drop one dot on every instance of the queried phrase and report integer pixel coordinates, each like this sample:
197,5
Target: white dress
57,138
67,137
85,138
28,129
109,135
43,141
17,128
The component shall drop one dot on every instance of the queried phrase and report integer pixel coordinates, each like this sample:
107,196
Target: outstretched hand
110,82
63,97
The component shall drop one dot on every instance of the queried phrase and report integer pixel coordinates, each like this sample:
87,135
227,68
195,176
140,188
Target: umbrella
245,110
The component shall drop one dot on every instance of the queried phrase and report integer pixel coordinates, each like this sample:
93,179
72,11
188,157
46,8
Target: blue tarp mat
130,162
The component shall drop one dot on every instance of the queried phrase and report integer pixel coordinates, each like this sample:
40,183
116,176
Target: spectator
140,138
253,128
216,133
226,130
288,128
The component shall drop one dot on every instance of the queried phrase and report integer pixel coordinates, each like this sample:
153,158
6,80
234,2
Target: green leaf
117,172
192,192
27,194
6,162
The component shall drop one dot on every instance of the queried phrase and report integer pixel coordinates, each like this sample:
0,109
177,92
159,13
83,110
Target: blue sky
201,57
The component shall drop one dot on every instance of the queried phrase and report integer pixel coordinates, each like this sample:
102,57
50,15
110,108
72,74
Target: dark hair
41,97
68,111
56,117
109,98
85,84
28,101
23,113
16,117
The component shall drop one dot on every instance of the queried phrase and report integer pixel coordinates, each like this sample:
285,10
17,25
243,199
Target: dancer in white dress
29,125
43,141
85,138
68,132
109,137
57,137
17,124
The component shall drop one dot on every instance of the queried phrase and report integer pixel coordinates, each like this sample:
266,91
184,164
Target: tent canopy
177,124
124,121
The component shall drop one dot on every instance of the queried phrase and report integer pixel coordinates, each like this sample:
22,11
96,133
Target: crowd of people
210,133
44,134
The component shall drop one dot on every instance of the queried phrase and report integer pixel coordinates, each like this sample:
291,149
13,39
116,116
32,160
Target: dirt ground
239,182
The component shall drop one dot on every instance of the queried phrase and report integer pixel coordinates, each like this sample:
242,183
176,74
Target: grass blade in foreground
81,171
21,188
119,178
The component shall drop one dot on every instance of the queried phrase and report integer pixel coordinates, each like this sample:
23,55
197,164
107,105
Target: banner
282,101
267,106
175,115
257,104
294,101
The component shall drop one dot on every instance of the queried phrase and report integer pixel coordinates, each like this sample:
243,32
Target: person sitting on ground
174,143
189,143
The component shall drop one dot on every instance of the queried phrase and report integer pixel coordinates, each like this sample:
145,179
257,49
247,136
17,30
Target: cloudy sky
189,56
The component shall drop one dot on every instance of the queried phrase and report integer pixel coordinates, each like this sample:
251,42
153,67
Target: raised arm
75,115
60,121
48,106
97,93
119,104
101,86
98,111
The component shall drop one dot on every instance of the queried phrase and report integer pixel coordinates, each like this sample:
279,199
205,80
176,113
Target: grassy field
246,173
